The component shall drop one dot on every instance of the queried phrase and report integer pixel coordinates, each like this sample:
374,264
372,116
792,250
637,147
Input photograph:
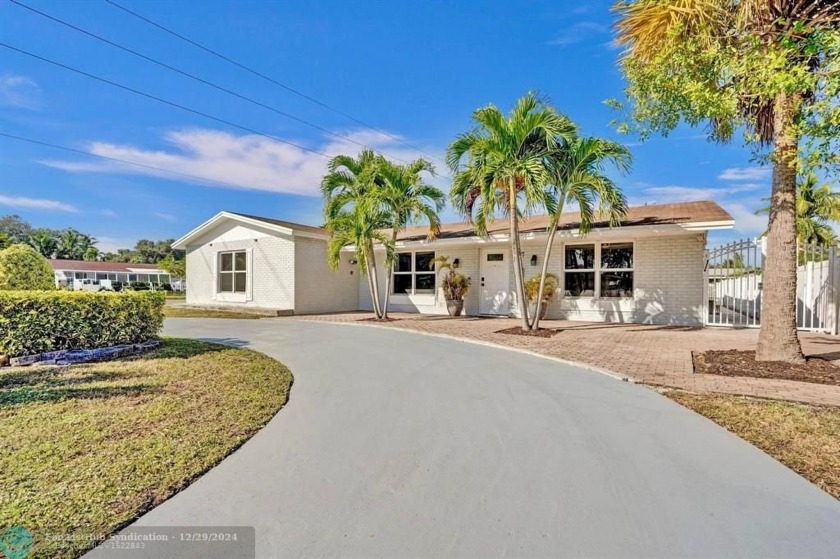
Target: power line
199,79
90,153
161,100
268,78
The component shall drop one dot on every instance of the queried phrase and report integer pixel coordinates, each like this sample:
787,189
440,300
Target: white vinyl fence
734,283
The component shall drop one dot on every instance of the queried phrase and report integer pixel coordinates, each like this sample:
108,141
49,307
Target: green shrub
38,321
532,286
23,267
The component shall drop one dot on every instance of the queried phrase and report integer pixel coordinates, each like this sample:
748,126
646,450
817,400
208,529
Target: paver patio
650,354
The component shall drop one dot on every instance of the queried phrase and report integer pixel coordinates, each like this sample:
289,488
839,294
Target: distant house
650,269
73,274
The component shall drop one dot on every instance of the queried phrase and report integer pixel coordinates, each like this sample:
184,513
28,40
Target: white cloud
746,222
19,91
112,244
578,32
745,174
248,162
108,213
21,202
164,216
675,193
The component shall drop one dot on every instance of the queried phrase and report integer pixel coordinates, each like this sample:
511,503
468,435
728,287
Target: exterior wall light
456,263
353,261
533,260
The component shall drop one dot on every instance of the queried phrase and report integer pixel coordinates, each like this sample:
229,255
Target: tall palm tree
91,253
708,55
578,175
73,245
501,167
44,243
354,215
816,208
407,198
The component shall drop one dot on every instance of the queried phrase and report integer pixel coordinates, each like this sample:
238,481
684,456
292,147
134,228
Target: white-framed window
233,272
598,269
414,273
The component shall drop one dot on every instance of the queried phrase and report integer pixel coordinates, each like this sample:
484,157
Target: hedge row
38,321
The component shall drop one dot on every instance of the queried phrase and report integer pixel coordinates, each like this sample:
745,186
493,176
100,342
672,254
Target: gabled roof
285,227
690,215
96,266
286,224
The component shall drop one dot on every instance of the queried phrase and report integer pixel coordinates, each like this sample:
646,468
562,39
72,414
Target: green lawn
186,312
804,438
88,448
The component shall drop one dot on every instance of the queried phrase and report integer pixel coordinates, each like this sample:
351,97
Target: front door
495,282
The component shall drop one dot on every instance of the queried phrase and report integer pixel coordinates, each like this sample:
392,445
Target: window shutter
249,269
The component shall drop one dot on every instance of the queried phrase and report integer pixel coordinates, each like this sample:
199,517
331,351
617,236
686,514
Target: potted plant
532,286
454,285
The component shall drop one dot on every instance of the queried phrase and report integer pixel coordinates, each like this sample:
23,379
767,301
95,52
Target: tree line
71,244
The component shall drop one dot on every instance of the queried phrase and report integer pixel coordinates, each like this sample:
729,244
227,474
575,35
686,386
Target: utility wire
161,100
268,78
201,80
90,153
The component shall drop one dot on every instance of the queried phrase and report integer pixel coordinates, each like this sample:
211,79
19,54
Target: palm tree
73,245
816,208
578,176
407,198
354,214
91,253
501,167
44,242
703,60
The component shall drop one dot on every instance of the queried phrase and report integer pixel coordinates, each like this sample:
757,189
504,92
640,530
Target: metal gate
733,278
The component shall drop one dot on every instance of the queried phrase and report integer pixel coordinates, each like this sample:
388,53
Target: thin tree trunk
375,275
778,339
549,244
517,257
369,275
389,274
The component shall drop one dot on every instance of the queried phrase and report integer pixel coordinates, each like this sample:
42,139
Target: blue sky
415,70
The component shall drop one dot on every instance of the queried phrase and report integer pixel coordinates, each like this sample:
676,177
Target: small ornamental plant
455,286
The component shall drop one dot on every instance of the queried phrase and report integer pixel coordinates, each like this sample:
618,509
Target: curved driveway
395,444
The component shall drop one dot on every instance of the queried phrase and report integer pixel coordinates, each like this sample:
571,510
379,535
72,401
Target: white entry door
495,282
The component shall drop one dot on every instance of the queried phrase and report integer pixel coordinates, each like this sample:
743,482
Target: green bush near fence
38,321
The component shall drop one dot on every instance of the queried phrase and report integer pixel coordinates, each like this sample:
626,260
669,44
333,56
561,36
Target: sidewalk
649,354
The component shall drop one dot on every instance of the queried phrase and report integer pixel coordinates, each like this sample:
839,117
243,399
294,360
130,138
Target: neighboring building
650,269
72,274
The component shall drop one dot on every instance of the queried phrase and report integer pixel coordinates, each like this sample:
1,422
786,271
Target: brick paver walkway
649,354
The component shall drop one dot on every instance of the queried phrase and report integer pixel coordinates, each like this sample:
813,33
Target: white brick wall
668,284
271,268
317,287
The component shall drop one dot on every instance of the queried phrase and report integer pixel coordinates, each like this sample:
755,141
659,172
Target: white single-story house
648,270
72,273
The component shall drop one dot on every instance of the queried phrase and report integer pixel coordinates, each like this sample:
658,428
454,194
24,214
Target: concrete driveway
397,444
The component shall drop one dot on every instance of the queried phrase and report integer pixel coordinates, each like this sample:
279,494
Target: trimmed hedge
38,321
23,267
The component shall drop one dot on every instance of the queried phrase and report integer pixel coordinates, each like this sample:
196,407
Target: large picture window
233,275
414,273
598,270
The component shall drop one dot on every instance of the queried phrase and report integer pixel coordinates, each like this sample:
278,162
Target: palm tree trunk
517,257
778,339
388,276
375,282
549,244
370,287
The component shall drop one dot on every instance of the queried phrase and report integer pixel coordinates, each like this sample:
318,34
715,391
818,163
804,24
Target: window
579,273
598,269
495,257
414,272
233,276
617,270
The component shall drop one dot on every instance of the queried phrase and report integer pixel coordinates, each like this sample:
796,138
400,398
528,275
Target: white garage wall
319,288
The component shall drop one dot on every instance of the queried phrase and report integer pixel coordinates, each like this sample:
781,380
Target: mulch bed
374,319
733,363
519,331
